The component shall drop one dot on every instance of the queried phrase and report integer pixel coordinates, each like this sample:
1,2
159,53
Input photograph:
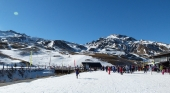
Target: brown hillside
112,59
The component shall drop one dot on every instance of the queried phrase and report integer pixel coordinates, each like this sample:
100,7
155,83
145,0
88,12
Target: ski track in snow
95,82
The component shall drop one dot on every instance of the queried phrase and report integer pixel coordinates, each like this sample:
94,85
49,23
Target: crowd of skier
120,69
133,68
129,69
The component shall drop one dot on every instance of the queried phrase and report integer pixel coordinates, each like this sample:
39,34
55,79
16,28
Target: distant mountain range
119,45
127,47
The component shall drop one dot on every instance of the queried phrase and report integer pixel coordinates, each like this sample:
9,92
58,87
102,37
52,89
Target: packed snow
95,82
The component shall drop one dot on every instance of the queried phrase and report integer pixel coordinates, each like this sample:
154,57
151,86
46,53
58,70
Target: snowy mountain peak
112,36
117,36
122,37
10,33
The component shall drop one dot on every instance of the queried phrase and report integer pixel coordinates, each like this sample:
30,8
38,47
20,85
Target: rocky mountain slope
120,45
127,47
11,39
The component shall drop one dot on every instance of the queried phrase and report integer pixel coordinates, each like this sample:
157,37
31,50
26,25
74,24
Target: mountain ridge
114,44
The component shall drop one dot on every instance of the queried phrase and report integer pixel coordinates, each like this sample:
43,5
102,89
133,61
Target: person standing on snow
121,70
106,68
169,70
161,68
127,69
109,70
130,69
113,69
103,68
77,72
150,68
145,69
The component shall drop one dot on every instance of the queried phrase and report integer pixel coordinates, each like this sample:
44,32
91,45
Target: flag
74,63
50,58
30,58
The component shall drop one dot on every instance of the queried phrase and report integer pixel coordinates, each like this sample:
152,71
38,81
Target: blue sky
82,21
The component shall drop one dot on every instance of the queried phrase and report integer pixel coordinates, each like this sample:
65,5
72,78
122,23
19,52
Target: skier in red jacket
109,70
121,70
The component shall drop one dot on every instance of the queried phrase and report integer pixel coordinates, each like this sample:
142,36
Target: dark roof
93,64
161,55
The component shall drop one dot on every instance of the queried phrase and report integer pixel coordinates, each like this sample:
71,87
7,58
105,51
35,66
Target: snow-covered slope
44,57
16,47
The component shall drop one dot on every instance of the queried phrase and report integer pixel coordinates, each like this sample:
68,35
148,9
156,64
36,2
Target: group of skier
120,69
132,68
129,69
164,69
